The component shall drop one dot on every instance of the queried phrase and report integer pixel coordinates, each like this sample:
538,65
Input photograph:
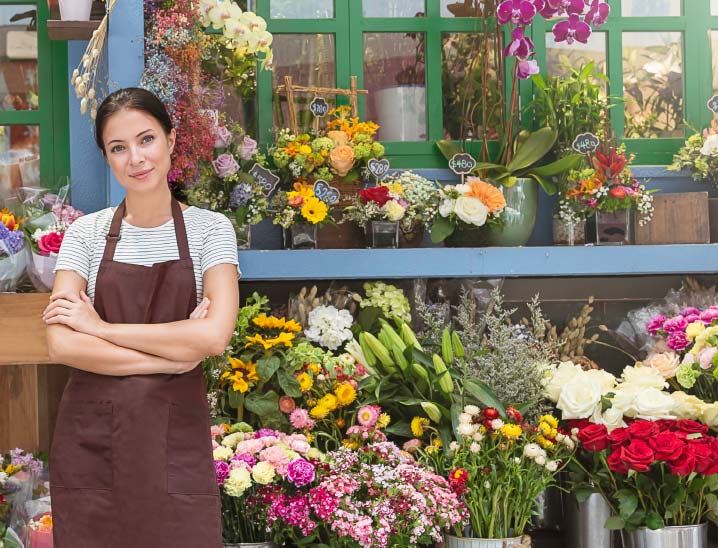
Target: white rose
563,374
666,363
686,406
603,379
579,398
709,414
393,210
644,377
471,210
446,207
612,418
624,400
651,404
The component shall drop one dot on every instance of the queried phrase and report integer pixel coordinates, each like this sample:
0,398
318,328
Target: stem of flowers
514,97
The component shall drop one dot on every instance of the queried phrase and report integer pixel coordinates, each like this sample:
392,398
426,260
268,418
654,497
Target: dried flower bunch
301,305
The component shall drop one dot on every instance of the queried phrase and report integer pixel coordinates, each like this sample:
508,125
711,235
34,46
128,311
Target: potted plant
299,212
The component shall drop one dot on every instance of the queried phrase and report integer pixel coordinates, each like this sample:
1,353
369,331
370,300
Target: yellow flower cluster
243,373
305,382
283,338
272,322
435,446
344,122
548,428
344,394
511,431
418,426
312,208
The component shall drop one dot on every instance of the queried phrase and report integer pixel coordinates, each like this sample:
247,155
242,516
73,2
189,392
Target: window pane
713,36
393,8
395,75
304,9
714,7
19,157
18,59
462,78
309,59
653,84
560,56
467,8
654,8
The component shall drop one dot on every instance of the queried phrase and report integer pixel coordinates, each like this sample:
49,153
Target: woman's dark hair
131,99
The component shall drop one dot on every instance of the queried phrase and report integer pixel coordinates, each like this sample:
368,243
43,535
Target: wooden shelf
71,30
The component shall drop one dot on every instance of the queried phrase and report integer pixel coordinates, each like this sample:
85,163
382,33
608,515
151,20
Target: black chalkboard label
265,178
713,104
378,168
326,193
319,107
462,163
585,143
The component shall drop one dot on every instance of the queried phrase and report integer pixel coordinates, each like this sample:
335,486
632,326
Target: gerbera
489,195
418,425
345,394
314,210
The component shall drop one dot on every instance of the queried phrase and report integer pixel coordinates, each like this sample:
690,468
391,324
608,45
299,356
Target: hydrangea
240,195
329,326
389,298
11,241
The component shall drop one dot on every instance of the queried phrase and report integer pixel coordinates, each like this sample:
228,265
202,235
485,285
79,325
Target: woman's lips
141,175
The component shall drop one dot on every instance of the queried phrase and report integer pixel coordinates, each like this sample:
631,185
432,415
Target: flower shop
477,243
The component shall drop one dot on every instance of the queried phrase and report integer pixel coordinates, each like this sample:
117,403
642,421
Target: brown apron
131,461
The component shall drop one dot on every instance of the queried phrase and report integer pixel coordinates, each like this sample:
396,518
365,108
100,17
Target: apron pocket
190,467
81,455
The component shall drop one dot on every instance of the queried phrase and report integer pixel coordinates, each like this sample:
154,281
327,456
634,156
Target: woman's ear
171,139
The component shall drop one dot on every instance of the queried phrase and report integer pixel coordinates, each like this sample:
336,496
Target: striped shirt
210,235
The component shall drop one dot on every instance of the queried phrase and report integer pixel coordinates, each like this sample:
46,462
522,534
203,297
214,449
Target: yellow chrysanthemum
329,401
345,394
383,421
553,421
305,382
543,442
418,425
319,412
511,431
315,368
314,210
350,444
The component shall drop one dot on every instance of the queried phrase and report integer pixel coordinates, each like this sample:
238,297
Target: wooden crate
713,216
680,218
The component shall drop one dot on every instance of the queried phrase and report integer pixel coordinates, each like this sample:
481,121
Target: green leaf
288,384
441,229
533,149
614,523
567,163
400,429
448,148
267,366
484,395
627,503
582,493
262,404
549,187
654,521
368,317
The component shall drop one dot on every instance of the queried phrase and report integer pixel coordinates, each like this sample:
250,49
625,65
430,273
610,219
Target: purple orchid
597,13
517,12
525,68
571,30
520,45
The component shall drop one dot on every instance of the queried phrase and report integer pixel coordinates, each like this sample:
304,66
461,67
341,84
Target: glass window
560,56
462,76
653,8
304,9
713,37
393,8
310,60
653,84
467,8
19,157
395,76
714,7
18,58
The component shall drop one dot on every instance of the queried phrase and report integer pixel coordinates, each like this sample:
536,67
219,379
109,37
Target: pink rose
705,358
248,148
225,165
222,136
50,243
300,472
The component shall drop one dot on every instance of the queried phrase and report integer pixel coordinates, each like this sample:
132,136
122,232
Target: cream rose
342,159
666,363
652,404
393,210
686,406
579,398
603,379
471,210
564,373
339,137
237,482
624,400
612,418
709,414
694,329
643,377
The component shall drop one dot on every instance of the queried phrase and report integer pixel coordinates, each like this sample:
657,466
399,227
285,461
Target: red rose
667,446
514,414
666,424
616,464
378,194
579,424
594,437
490,413
642,430
638,456
691,427
706,455
50,243
685,464
619,437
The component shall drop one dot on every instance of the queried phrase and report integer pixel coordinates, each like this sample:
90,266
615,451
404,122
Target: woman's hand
201,311
74,311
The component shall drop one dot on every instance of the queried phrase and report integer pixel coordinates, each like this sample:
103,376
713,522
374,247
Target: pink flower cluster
674,329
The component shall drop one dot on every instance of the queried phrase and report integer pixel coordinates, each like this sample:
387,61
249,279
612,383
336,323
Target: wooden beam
22,331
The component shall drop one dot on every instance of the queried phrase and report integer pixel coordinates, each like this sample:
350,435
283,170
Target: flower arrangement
388,298
378,203
341,151
420,194
699,155
18,473
469,206
12,239
300,206
500,466
329,327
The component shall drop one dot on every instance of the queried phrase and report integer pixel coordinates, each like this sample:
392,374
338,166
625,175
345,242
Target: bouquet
699,155
340,151
13,253
300,206
420,195
19,471
467,207
499,467
379,203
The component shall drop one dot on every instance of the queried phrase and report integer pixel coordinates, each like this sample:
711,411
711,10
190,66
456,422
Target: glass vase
614,228
301,236
569,232
243,231
382,234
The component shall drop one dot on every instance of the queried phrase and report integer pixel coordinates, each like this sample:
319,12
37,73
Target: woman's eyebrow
138,135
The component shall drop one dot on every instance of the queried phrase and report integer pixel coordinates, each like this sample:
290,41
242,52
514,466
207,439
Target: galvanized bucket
584,523
250,545
467,542
685,536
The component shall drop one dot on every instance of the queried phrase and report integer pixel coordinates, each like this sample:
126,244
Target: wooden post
290,105
354,96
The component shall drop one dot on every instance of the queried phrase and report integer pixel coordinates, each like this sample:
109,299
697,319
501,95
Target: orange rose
339,137
487,193
342,159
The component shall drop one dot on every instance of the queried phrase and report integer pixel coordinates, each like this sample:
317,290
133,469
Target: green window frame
349,25
52,116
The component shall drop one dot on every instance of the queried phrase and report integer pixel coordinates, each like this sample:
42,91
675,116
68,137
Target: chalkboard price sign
265,178
378,168
326,193
462,163
713,104
319,107
585,143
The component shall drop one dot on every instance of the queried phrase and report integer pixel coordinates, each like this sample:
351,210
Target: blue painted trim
478,262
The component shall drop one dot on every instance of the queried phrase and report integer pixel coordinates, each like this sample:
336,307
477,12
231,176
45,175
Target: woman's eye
148,138
117,148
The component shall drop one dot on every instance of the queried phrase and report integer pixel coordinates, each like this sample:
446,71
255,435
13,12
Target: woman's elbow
55,343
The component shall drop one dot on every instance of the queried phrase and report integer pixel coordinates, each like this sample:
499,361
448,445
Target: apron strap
180,231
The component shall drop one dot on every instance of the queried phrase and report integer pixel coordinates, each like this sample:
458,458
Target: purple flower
246,458
248,148
225,165
262,432
692,318
690,311
518,12
677,341
705,358
525,68
656,325
222,136
597,13
240,195
221,470
300,472
11,241
708,316
675,325
520,45
571,30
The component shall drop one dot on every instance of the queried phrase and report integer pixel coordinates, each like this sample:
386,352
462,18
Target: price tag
319,107
326,193
462,163
713,104
265,178
585,143
378,168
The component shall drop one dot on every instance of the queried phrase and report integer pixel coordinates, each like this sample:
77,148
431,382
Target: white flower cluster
329,327
455,201
710,146
58,228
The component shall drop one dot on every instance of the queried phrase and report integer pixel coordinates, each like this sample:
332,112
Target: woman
131,460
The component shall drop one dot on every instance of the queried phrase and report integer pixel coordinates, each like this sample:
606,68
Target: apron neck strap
113,236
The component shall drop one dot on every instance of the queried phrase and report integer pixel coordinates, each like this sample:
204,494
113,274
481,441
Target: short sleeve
75,252
219,245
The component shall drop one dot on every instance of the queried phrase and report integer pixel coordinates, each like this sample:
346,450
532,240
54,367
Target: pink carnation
216,430
655,325
677,341
675,325
277,457
250,447
300,472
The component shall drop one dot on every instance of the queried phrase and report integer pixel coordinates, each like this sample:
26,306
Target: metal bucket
250,545
584,523
685,536
467,542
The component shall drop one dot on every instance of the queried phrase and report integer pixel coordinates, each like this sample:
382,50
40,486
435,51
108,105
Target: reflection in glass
654,8
18,58
560,56
393,8
395,75
310,60
467,8
653,84
713,38
462,74
714,7
19,157
301,9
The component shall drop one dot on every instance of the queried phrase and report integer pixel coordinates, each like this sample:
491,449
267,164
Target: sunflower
314,210
248,367
418,425
305,382
272,322
345,394
489,195
283,338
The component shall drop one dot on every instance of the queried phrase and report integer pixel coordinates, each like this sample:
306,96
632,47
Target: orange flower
9,220
487,193
339,137
342,159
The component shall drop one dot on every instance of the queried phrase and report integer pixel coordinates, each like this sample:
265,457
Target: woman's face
138,150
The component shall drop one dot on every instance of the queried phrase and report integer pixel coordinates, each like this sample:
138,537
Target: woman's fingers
62,303
58,311
201,310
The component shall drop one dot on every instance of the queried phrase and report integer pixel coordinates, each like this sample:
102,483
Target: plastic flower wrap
14,256
300,206
699,155
19,472
388,298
